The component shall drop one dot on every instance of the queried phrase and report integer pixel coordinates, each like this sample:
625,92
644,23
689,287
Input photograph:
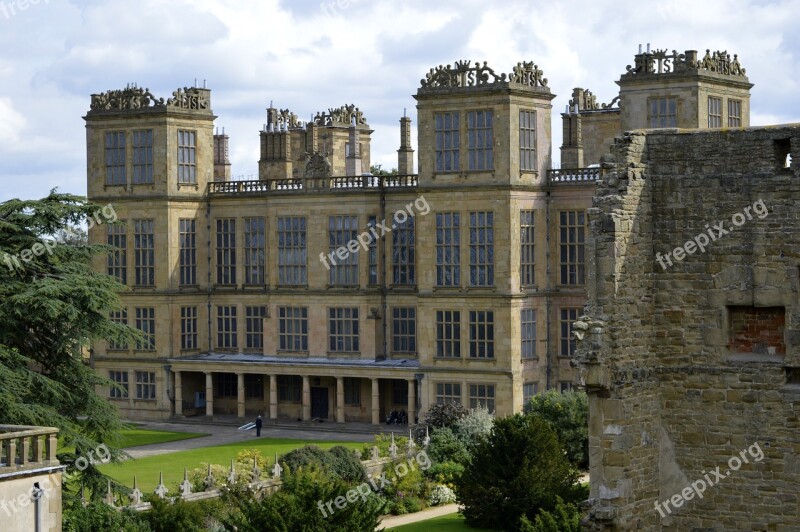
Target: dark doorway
319,402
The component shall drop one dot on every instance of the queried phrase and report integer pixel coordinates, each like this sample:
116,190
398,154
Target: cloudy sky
309,55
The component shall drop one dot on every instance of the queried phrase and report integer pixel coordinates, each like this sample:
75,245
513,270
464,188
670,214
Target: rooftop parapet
133,98
465,74
659,62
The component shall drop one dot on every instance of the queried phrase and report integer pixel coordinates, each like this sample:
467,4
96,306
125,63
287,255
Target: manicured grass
172,464
137,437
447,523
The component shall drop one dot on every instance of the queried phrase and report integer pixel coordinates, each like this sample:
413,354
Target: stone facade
690,359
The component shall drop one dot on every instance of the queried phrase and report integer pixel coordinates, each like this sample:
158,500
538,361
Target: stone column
240,394
178,394
273,396
209,393
339,399
376,407
412,400
306,398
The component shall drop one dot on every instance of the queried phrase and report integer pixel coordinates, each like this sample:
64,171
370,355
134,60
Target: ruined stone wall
686,396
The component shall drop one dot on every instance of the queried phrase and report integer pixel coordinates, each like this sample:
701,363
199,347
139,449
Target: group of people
396,417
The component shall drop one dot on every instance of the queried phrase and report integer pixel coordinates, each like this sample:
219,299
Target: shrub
445,446
185,516
99,516
346,465
445,472
519,469
564,518
444,415
441,495
383,442
568,415
308,455
478,422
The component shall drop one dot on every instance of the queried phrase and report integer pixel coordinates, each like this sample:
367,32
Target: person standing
259,424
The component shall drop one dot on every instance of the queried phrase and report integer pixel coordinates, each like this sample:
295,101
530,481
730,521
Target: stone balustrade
26,448
318,184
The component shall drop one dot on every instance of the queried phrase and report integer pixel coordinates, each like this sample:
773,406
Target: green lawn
137,437
172,464
447,523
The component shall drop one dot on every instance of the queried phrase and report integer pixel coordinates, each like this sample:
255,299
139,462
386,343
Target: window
118,257
528,332
527,261
479,135
372,251
188,328
663,112
226,251
186,157
143,157
146,323
527,140
352,391
404,330
448,393
481,395
115,158
226,327
568,317
758,330
403,252
254,327
481,334
145,385
120,378
293,328
481,248
734,113
227,385
399,392
448,333
188,252
144,252
120,317
341,231
343,329
565,386
448,249
253,386
529,389
292,251
714,111
573,247
447,141
255,257
290,389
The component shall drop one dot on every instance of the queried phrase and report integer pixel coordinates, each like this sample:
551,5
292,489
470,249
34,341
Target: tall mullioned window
734,113
447,137
145,385
663,112
254,327
120,378
448,333
143,157
144,252
293,328
527,262
448,249
226,327
292,251
187,256
448,393
187,157
226,251
480,140
343,330
119,317
528,332
188,328
403,253
481,334
372,251
481,248
714,111
115,158
117,262
404,330
146,323
572,247
341,231
255,255
481,395
567,344
527,140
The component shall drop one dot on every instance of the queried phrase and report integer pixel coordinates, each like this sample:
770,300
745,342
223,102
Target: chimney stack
405,155
222,165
